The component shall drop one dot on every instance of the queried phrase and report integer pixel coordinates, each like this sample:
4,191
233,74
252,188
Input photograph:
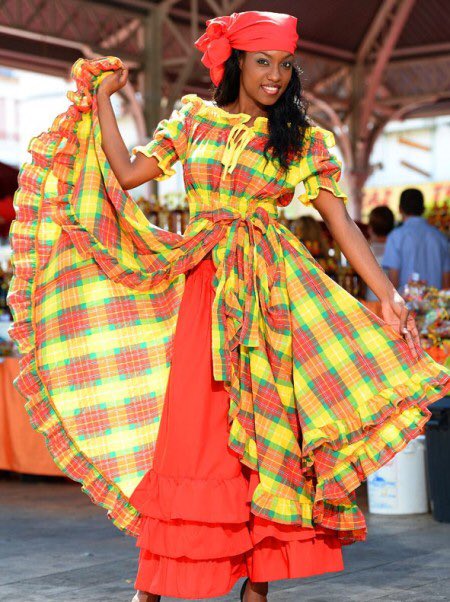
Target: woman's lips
271,90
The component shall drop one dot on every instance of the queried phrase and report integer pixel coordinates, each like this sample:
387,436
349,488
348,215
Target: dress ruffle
208,500
34,238
327,173
193,579
188,578
194,539
178,553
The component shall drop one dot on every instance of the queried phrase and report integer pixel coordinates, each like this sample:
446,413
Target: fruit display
431,308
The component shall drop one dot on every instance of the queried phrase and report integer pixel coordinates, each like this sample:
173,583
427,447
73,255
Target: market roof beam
383,36
17,36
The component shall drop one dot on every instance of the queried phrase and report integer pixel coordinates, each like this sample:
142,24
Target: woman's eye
287,64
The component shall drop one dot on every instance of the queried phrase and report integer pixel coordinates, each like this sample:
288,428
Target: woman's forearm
112,142
128,173
358,252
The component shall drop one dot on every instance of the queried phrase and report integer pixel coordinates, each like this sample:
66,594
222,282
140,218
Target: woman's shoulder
192,100
315,154
316,136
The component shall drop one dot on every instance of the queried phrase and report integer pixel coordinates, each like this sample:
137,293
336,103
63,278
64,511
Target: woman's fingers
410,342
412,336
414,333
404,312
405,324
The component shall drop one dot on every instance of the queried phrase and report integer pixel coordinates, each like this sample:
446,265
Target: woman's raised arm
129,173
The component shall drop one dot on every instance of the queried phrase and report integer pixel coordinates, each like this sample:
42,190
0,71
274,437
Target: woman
284,392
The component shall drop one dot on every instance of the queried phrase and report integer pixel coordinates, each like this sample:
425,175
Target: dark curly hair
285,141
411,201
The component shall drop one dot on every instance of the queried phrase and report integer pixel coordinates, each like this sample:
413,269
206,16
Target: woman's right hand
113,81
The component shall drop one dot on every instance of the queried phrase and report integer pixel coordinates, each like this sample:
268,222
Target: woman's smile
271,89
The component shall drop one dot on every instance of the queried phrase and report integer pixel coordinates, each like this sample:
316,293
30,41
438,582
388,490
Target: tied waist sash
243,281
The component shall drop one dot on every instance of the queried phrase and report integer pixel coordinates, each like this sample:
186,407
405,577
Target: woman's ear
241,57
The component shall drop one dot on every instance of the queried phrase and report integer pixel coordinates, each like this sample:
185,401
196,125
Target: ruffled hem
53,154
197,540
350,472
273,560
205,500
420,390
163,162
327,174
341,470
193,539
341,459
394,425
207,518
312,190
187,578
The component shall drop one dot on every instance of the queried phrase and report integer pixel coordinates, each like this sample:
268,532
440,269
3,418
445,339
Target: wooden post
153,74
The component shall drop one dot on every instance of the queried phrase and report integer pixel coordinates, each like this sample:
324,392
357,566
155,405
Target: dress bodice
233,193
224,163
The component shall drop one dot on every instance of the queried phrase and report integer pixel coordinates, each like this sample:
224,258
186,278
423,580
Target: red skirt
198,535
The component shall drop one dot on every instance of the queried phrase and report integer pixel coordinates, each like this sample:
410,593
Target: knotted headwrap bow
251,30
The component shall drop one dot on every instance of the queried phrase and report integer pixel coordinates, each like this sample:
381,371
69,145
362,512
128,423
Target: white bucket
400,486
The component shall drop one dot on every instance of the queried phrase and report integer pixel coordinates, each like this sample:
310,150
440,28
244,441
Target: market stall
22,449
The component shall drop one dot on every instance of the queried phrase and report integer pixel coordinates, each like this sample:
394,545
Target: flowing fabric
198,535
322,391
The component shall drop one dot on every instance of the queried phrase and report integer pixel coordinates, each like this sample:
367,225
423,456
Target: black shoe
244,585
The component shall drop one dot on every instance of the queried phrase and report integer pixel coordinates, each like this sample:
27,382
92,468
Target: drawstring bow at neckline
234,146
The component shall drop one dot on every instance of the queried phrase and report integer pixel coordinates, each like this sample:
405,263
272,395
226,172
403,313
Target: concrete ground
56,546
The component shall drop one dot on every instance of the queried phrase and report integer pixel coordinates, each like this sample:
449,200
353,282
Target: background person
381,223
416,246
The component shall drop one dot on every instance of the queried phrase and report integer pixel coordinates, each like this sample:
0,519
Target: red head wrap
252,30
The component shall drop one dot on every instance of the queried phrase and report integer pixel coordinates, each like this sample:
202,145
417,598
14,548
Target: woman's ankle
257,590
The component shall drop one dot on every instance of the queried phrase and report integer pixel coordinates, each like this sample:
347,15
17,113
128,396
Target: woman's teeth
270,89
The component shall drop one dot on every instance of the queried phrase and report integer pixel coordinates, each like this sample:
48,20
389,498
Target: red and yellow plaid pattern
322,391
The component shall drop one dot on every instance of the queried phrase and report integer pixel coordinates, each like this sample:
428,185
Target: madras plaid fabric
322,391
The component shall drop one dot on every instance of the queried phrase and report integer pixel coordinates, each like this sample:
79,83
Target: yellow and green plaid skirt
322,391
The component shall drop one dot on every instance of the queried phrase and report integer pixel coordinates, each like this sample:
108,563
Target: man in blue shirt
416,246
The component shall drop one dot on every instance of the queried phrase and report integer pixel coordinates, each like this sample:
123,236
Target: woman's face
265,75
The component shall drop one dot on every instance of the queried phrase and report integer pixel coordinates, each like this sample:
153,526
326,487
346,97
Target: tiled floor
56,546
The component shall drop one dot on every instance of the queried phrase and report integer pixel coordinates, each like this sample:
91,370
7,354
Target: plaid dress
322,391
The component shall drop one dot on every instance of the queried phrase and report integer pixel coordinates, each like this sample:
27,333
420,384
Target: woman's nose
275,75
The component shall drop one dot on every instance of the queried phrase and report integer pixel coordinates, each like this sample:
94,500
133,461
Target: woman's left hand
396,314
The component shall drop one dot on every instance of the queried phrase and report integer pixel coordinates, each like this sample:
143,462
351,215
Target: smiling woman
268,84
272,76
224,410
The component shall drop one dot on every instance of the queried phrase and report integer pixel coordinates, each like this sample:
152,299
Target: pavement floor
57,546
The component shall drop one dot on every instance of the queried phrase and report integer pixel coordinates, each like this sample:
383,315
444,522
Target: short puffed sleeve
318,166
170,140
